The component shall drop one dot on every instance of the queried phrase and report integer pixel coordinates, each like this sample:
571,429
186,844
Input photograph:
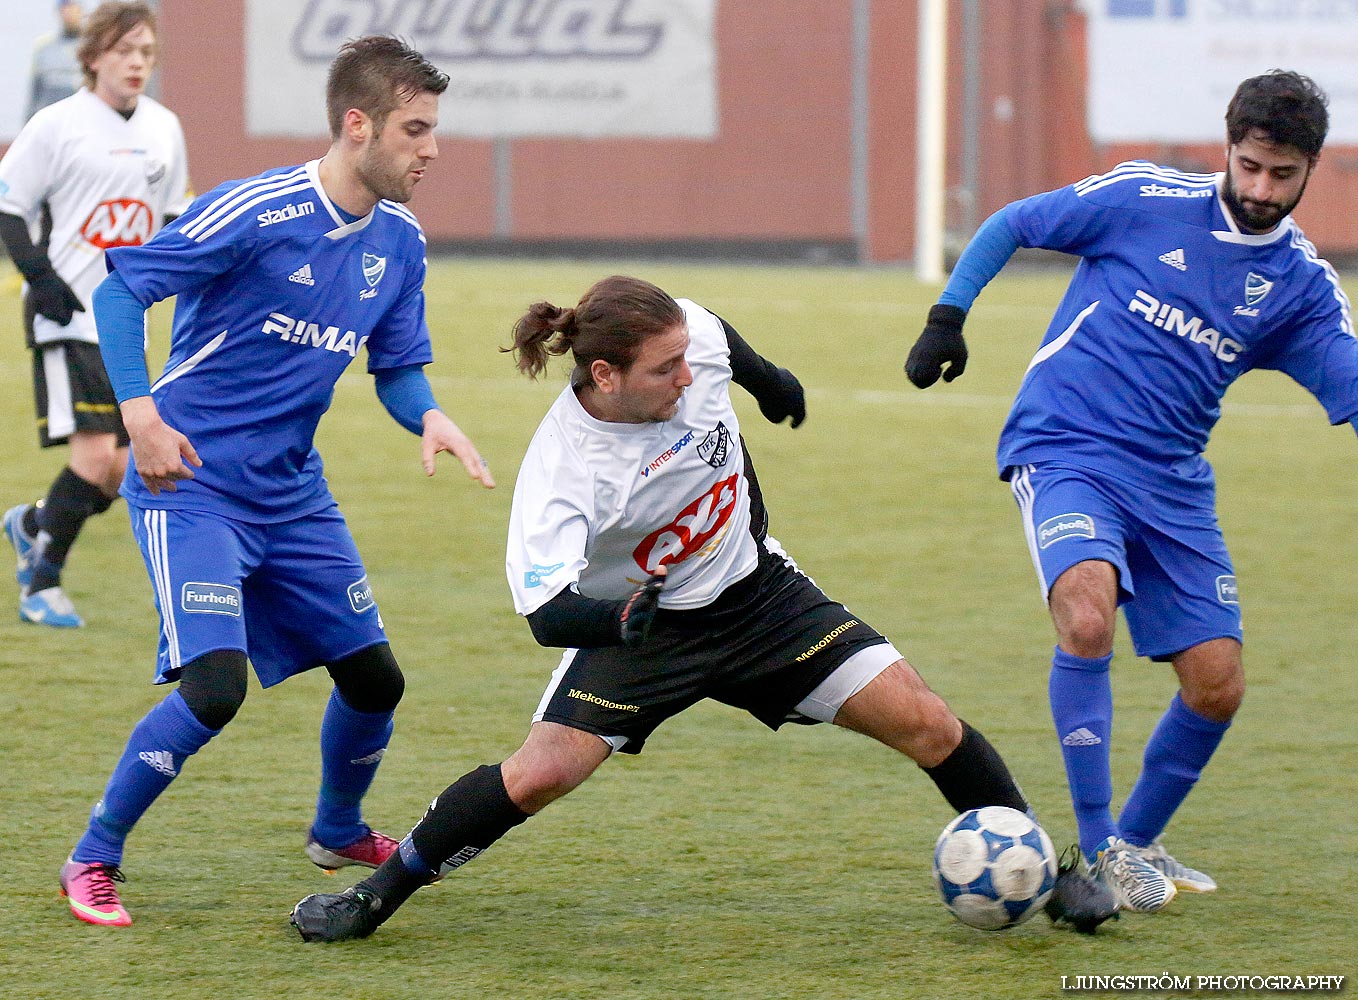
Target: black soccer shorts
766,643
72,393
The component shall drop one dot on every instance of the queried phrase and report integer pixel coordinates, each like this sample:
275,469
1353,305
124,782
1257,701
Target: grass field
726,861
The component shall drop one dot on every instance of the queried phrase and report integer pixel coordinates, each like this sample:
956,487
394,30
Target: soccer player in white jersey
638,540
281,280
107,166
1186,281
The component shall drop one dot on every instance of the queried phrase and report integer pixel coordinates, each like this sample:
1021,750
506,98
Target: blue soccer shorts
1176,584
292,595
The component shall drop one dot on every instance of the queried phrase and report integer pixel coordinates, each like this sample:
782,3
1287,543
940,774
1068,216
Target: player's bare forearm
159,451
441,434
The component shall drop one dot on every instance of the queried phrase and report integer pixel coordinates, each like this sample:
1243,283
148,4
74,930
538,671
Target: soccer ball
994,867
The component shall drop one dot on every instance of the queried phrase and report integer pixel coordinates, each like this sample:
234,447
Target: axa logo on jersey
120,222
692,529
308,334
1168,317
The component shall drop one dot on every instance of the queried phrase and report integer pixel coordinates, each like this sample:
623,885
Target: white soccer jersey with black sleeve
601,505
109,181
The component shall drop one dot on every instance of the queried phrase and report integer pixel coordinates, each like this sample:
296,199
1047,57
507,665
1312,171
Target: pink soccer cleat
92,894
370,850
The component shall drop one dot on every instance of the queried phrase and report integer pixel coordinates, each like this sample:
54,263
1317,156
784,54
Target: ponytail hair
543,331
609,324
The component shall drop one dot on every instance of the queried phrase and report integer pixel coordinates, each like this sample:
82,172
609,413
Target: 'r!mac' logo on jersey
121,222
695,526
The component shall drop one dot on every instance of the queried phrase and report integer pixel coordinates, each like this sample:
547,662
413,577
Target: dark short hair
108,23
1287,107
374,74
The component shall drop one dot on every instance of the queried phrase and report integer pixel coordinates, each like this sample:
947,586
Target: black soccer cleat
1077,899
328,916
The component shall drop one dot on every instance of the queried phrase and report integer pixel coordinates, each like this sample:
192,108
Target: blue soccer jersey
1170,304
277,293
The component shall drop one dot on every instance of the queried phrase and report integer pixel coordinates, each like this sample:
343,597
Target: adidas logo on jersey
1175,259
1081,737
160,760
302,275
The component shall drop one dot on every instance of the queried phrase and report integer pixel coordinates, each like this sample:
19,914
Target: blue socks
160,743
1081,695
1180,747
352,744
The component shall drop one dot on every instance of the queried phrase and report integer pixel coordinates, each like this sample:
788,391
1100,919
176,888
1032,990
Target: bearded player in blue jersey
1186,281
281,280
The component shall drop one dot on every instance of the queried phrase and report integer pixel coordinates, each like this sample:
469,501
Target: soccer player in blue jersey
1186,281
281,280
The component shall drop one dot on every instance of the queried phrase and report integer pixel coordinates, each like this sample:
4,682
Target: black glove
53,298
787,400
940,343
639,611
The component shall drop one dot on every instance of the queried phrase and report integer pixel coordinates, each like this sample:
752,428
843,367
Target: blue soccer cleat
23,544
49,607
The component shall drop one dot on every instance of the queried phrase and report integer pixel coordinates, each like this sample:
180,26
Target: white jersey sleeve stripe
228,202
1308,252
400,211
1092,184
1143,169
1061,341
238,210
187,365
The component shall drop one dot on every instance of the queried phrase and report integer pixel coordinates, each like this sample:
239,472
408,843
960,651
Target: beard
384,179
1258,216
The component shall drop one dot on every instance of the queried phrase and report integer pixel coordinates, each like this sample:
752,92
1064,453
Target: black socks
974,775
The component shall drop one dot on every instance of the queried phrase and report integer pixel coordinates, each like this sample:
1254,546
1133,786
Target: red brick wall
780,170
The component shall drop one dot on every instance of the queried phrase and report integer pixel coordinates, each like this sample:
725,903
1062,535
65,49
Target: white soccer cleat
49,607
1136,884
1183,877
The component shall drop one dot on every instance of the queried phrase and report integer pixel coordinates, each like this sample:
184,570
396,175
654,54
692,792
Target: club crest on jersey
1257,288
714,448
373,269
692,530
120,222
155,170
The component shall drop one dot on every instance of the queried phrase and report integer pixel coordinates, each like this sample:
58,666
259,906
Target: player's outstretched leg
897,708
470,815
